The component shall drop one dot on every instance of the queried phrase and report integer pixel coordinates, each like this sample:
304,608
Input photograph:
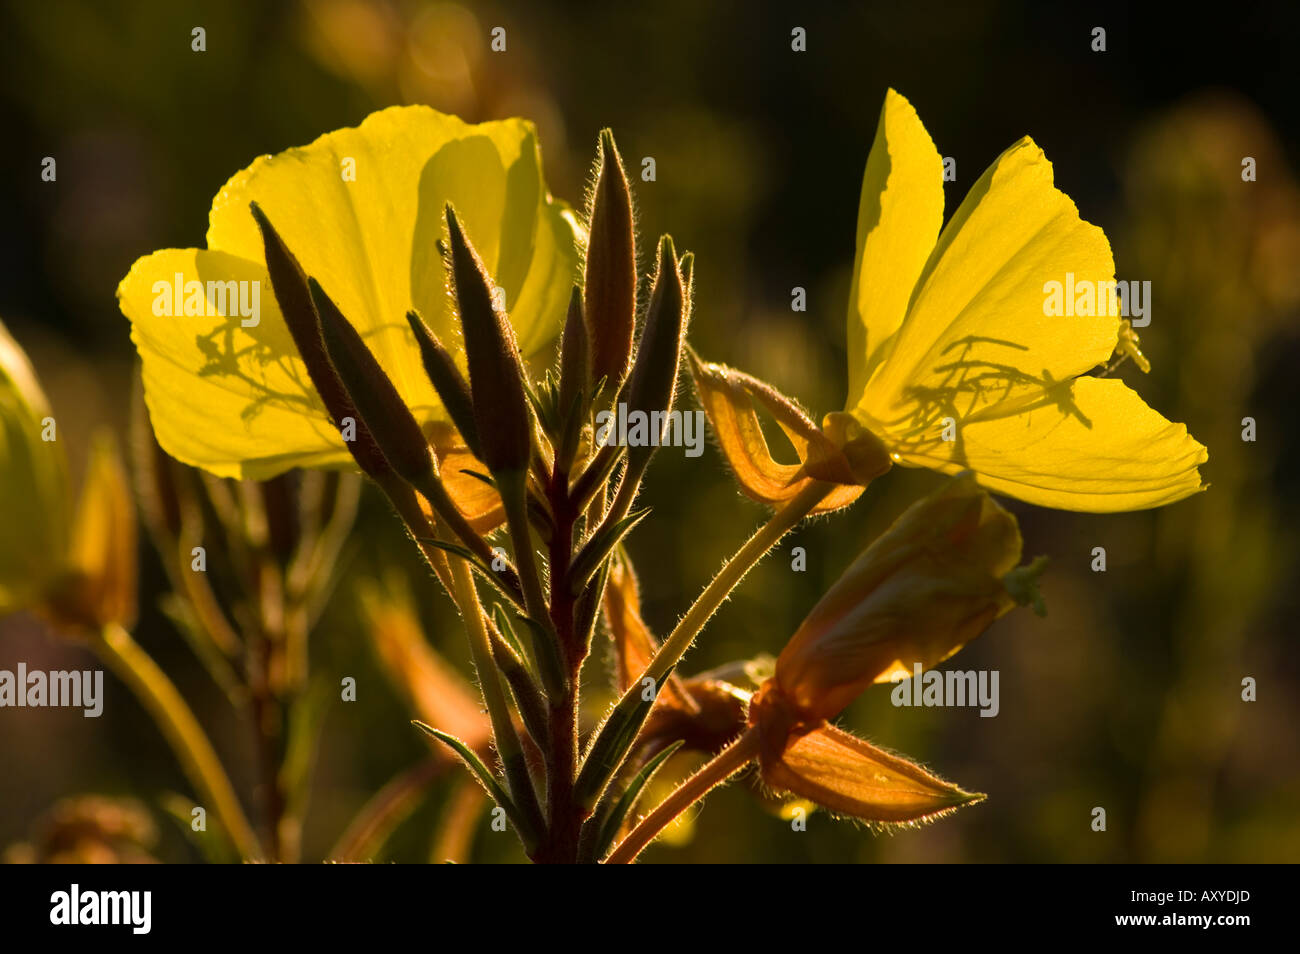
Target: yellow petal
223,396
372,242
899,215
849,776
976,328
235,401
1091,444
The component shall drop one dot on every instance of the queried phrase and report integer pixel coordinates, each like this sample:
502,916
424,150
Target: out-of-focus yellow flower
956,363
98,585
430,686
361,209
35,507
82,571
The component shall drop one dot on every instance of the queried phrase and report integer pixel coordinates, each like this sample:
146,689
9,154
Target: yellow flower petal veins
361,209
976,374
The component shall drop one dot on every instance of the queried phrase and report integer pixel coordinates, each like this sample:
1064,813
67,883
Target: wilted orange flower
927,586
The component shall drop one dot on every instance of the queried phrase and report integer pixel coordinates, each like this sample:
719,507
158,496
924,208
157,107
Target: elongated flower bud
495,371
926,587
385,414
653,382
575,356
610,283
289,282
452,388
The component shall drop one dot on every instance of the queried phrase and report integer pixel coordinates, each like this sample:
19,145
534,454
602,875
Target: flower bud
496,374
98,585
653,382
926,587
452,388
575,354
609,287
35,506
386,416
289,283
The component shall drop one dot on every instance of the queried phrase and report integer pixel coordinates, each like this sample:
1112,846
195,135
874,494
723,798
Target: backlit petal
899,215
361,209
1092,444
977,330
235,401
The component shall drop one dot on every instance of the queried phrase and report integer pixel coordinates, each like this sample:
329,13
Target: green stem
503,728
564,819
513,486
755,548
182,730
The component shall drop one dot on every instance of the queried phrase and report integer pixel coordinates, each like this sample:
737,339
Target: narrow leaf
613,741
495,790
597,550
614,818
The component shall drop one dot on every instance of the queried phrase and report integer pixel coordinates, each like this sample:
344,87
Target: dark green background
1127,696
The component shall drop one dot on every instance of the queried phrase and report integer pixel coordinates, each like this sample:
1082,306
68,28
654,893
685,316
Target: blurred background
1127,696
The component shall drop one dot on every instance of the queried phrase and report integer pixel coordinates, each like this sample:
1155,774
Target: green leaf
546,653
495,790
613,741
502,581
597,550
212,842
609,815
529,699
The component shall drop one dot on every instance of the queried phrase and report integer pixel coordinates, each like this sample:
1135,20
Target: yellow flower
361,209
954,360
35,502
78,569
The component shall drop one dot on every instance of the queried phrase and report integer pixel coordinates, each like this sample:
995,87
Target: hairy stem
564,820
724,765
754,549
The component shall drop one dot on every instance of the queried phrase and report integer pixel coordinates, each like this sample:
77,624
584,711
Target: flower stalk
168,708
